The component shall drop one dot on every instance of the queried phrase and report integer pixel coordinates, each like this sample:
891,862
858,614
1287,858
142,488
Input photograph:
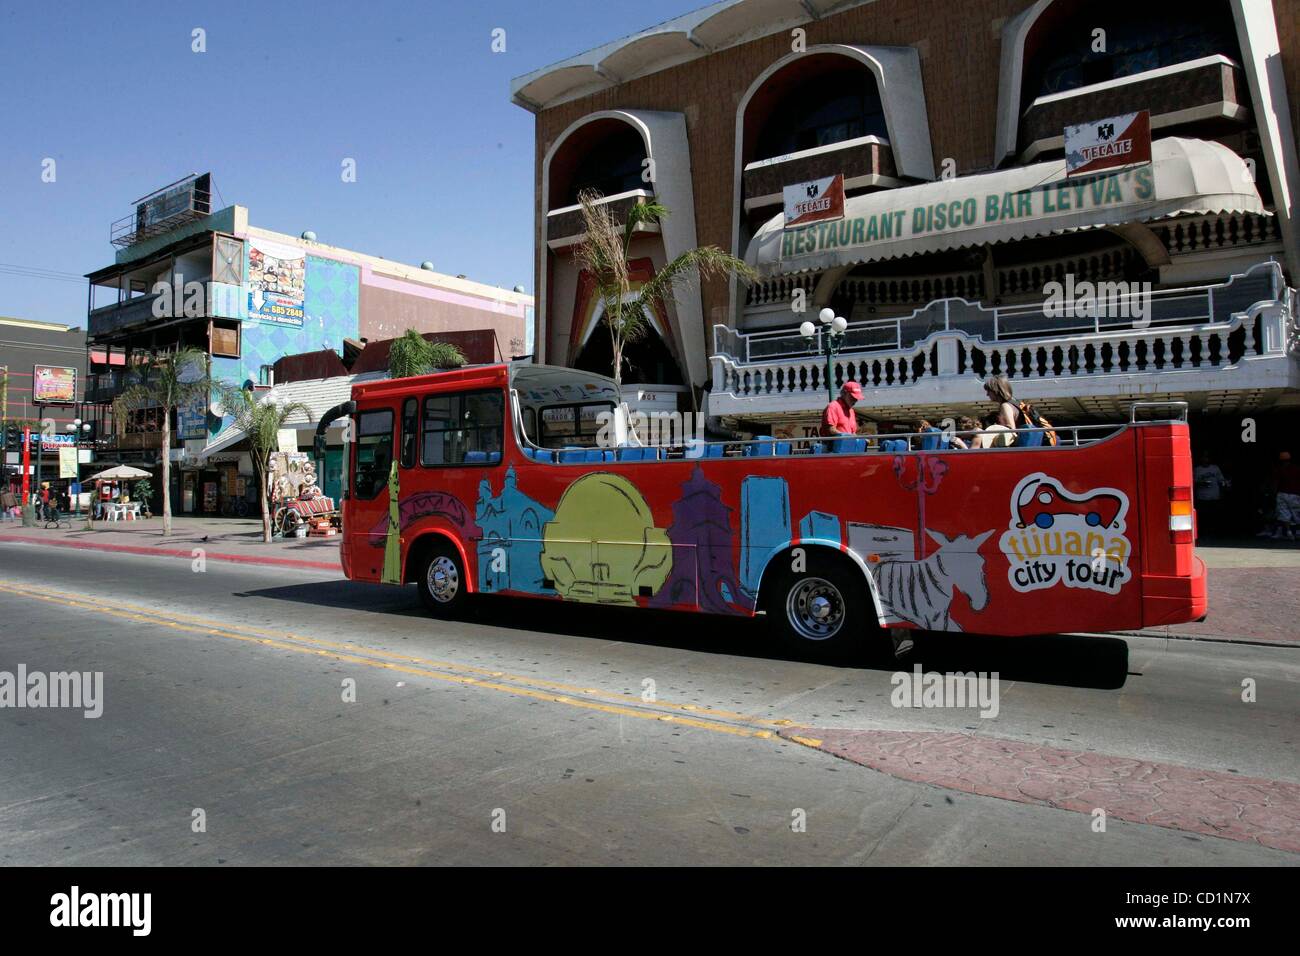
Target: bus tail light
1182,520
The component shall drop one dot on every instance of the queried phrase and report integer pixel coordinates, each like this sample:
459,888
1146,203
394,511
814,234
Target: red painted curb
1208,802
177,553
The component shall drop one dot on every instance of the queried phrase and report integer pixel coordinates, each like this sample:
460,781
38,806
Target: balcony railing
864,161
565,226
1211,81
103,387
120,315
1206,327
220,301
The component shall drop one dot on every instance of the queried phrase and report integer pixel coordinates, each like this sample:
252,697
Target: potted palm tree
413,354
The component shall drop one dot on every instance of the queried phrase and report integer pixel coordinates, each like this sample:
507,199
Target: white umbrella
120,473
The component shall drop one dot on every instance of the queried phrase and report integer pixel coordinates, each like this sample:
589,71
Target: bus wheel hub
442,579
815,608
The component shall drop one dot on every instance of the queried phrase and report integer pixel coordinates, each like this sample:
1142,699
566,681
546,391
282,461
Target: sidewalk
222,539
1253,594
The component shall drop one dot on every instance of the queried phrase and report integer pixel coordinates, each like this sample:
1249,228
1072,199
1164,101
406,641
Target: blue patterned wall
331,312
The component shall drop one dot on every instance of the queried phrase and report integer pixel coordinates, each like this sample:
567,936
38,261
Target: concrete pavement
223,693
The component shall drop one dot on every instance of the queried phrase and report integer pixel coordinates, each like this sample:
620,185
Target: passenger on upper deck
839,418
998,389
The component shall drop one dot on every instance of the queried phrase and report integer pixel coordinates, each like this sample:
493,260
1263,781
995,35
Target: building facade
962,230
185,275
42,378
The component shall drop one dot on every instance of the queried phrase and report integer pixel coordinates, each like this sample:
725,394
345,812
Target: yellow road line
446,665
336,651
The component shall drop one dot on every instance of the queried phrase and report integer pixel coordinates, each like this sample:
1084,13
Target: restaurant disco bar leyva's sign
1051,200
1108,143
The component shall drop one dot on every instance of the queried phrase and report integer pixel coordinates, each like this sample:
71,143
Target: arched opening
607,155
817,100
1065,51
646,361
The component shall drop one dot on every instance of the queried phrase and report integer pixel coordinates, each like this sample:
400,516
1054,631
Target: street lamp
832,340
77,428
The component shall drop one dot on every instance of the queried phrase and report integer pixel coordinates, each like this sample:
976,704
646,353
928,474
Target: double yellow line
571,695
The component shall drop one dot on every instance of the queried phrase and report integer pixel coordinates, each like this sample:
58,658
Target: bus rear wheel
441,580
819,610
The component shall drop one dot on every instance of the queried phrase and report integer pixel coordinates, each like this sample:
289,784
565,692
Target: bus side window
530,425
462,428
374,453
409,427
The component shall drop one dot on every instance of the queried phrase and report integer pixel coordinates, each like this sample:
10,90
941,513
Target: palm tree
167,381
603,253
261,419
413,354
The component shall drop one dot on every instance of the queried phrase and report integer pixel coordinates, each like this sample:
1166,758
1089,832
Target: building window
612,166
829,107
1136,38
228,260
225,340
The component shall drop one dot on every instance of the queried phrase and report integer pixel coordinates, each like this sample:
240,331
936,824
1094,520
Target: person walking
1209,484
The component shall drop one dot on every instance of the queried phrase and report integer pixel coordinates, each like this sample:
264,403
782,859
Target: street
278,715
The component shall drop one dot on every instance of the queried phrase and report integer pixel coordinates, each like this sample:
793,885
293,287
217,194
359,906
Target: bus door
367,524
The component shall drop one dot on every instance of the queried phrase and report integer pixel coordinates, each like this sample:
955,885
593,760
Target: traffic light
13,437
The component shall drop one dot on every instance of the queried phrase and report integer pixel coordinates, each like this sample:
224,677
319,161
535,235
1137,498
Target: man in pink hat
839,417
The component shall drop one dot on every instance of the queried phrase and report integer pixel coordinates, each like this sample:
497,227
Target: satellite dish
309,236
426,265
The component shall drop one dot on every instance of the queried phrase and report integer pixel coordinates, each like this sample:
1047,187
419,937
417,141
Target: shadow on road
1060,659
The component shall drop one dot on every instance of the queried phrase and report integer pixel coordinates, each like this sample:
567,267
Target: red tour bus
492,480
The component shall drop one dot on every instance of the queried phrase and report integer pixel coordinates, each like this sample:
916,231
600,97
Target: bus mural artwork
834,543
1056,537
921,592
631,556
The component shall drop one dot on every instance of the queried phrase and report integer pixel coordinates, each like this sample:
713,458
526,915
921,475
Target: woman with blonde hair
1001,432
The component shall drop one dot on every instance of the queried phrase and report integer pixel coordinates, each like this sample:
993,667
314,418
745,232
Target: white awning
1184,176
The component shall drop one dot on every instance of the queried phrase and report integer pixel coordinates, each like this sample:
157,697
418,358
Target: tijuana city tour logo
1056,537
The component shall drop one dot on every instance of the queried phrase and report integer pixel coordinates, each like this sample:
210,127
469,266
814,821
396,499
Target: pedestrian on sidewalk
1209,484
1285,484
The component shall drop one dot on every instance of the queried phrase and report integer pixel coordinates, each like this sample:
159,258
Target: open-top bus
492,480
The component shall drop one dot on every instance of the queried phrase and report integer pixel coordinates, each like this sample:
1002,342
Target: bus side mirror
319,446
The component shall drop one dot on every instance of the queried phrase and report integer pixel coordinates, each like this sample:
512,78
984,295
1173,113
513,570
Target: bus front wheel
816,605
441,580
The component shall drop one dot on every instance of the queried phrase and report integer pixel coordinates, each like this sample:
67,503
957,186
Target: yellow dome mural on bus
603,546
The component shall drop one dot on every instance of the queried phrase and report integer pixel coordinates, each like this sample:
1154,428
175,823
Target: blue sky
412,91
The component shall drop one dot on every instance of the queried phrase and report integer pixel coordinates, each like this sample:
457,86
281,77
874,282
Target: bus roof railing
1180,406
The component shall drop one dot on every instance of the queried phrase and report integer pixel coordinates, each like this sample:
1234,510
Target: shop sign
277,276
1108,143
817,201
53,384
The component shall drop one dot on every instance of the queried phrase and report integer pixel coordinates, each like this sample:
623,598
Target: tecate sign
1108,143
814,201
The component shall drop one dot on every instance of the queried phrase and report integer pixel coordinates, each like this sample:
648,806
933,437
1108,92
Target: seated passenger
966,424
994,435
